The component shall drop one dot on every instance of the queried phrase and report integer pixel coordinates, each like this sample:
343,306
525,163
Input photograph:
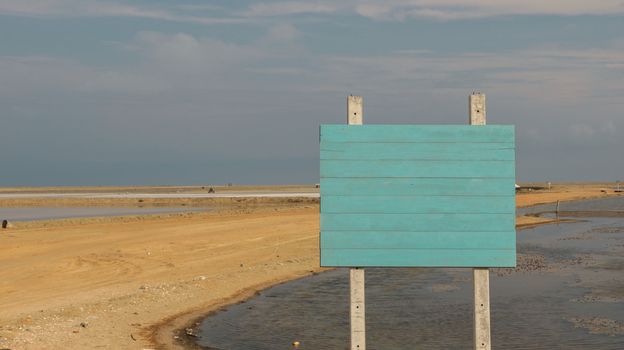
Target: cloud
192,97
438,10
600,132
99,8
383,10
33,76
163,63
572,73
469,9
283,32
290,8
183,61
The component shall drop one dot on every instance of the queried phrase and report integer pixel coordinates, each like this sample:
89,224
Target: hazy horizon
214,92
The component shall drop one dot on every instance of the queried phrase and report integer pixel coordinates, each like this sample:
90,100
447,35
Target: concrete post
481,276
356,275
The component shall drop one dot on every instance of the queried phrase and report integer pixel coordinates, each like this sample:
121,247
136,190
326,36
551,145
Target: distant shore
140,281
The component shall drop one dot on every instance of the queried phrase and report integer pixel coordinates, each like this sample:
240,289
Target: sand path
119,278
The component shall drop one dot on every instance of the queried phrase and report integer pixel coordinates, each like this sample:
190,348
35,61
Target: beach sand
138,282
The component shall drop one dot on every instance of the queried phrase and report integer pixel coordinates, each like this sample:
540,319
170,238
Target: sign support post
418,196
356,275
481,276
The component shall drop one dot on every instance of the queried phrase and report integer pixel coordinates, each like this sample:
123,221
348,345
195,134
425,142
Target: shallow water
567,293
611,203
39,213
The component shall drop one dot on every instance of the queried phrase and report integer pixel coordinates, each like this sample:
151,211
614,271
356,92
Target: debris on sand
524,263
191,332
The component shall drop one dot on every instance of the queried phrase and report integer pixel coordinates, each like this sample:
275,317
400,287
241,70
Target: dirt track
119,278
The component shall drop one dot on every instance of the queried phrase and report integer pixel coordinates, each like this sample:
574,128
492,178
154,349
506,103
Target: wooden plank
419,204
418,222
417,133
417,257
417,186
420,168
417,240
417,151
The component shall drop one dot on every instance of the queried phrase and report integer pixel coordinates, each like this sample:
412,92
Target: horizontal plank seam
419,213
420,177
428,249
413,212
378,230
419,141
378,159
400,231
422,195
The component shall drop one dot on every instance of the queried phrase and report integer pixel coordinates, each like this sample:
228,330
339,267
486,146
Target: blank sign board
409,195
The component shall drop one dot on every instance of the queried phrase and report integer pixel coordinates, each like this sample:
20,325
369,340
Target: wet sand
135,282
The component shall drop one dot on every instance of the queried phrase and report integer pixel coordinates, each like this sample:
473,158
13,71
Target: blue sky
200,92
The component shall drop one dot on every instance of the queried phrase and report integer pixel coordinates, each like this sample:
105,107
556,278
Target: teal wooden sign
417,195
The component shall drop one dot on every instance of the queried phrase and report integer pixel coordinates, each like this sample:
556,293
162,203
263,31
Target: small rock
83,324
190,332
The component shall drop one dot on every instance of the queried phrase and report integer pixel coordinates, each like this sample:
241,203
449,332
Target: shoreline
163,334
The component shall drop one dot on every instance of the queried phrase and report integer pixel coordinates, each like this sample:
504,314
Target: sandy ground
133,283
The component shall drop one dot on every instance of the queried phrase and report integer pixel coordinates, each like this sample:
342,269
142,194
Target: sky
96,92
